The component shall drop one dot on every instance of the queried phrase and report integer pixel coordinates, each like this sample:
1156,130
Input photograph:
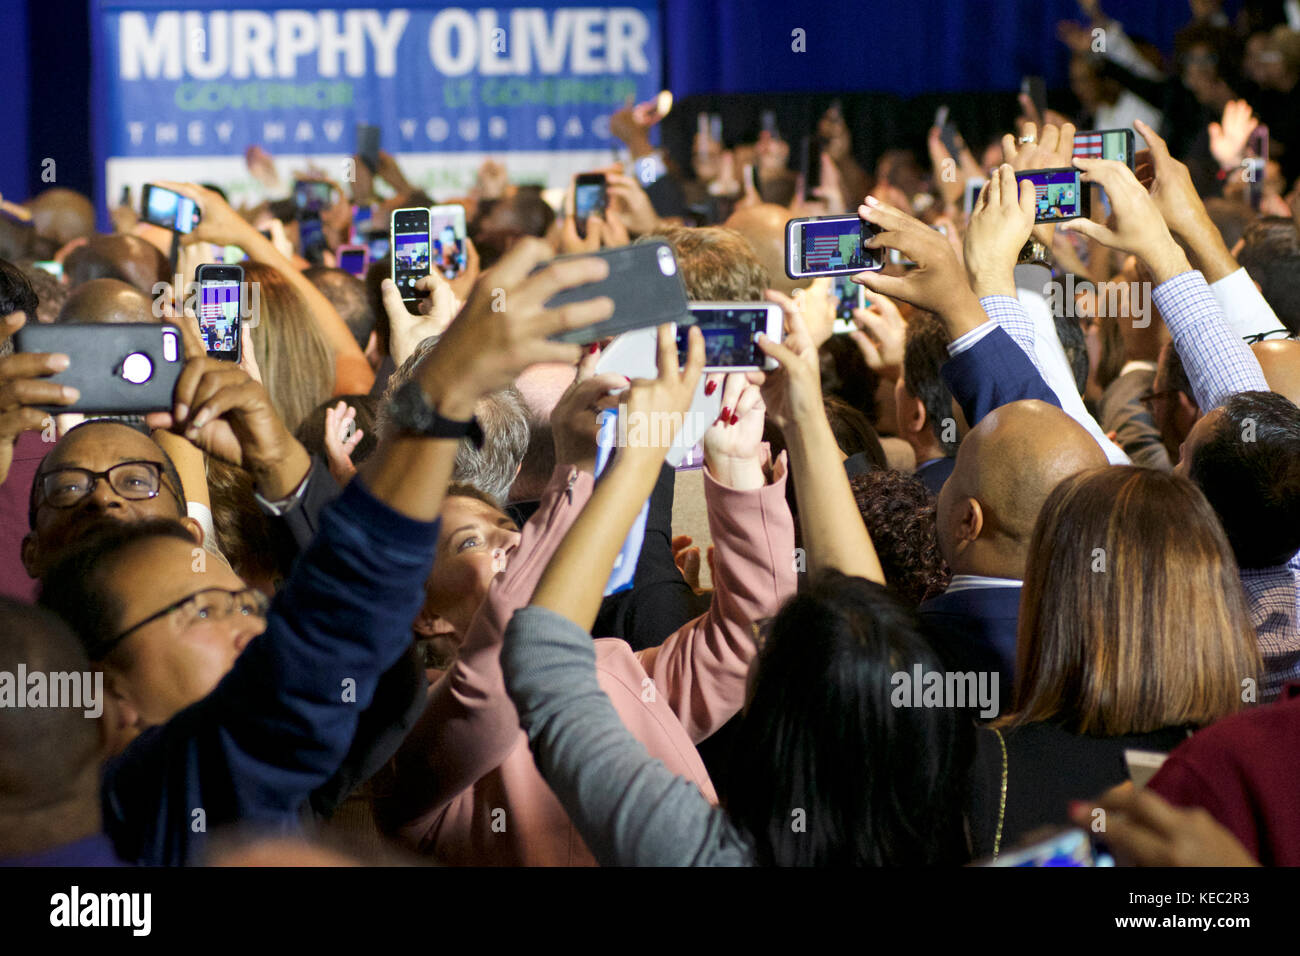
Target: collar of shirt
968,582
1135,365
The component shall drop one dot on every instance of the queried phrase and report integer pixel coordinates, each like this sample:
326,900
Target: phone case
645,284
126,368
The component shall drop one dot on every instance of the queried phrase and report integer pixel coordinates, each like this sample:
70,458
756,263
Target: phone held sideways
645,284
128,368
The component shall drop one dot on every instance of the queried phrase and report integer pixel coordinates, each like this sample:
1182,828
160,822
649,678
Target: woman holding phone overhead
877,784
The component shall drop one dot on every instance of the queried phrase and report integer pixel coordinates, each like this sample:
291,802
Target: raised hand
341,439
733,444
505,325
1139,228
575,418
23,386
1000,223
407,331
1228,138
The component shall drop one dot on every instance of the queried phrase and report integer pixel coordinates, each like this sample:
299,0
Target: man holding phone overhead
345,613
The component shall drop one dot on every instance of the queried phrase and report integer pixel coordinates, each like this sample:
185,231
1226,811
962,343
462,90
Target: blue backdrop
904,47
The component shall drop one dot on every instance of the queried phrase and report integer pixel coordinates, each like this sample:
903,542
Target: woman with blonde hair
1133,634
295,360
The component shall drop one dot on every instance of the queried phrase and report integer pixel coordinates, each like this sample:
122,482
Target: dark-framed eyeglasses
208,604
133,480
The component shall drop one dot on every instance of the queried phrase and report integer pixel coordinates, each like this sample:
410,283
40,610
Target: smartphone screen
368,145
352,260
848,296
311,239
219,307
447,232
973,187
168,209
312,197
410,250
589,199
1116,144
1059,194
379,245
730,334
833,246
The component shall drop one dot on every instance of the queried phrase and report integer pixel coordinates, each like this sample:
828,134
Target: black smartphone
810,164
311,197
643,281
311,238
1036,88
126,368
171,210
1058,193
222,303
1116,144
409,240
731,332
368,145
830,246
948,132
590,198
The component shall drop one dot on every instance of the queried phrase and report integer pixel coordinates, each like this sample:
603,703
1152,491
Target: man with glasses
100,471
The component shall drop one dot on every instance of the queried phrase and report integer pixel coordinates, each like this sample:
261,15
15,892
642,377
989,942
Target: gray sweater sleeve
630,809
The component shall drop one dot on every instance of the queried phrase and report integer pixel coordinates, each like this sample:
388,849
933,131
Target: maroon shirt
1245,770
14,495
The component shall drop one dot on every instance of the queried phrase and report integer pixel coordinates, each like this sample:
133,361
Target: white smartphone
829,246
731,331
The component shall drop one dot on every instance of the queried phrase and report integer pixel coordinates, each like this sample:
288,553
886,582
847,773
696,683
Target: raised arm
701,668
833,533
222,225
1245,309
628,807
282,720
1218,363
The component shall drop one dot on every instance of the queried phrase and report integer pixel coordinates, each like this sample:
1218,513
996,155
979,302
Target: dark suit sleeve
991,373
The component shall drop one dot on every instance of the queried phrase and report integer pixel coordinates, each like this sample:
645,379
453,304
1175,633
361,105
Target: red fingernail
726,413
710,388
593,348
734,418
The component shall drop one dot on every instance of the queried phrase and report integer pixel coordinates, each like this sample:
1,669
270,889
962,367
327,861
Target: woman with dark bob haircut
1133,633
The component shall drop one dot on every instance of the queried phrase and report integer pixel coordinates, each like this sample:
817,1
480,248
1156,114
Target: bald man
125,257
107,301
1006,467
1280,360
763,226
62,215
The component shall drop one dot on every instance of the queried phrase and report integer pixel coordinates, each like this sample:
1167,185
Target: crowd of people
1052,475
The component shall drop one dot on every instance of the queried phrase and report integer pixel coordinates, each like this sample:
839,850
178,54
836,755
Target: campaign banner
183,89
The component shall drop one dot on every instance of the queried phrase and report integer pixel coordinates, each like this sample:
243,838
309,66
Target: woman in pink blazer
463,788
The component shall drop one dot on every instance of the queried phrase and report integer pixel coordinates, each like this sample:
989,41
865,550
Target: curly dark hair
900,515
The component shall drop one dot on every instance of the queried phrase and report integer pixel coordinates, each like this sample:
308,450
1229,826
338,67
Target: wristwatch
1035,253
410,411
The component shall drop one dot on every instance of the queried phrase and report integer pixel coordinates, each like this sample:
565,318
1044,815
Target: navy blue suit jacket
991,373
975,630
